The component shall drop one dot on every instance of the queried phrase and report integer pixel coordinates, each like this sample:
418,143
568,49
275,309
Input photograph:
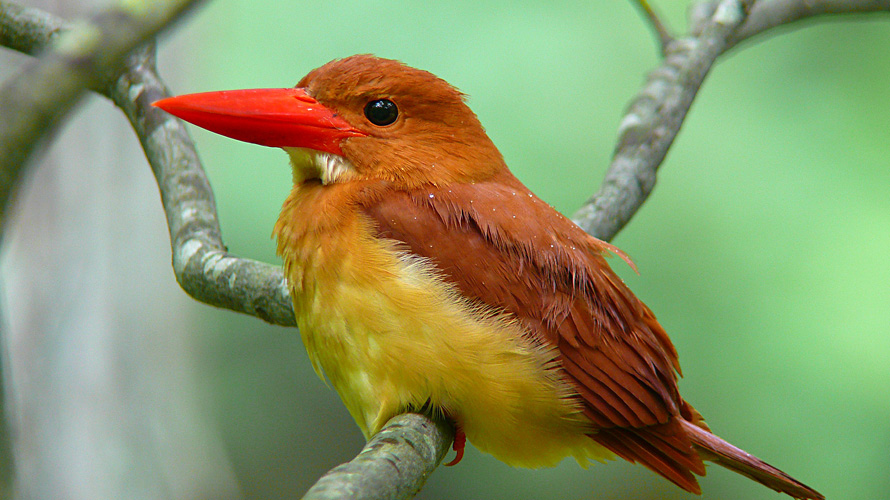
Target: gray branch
653,120
656,114
410,446
200,262
37,98
770,14
658,26
393,465
27,30
203,267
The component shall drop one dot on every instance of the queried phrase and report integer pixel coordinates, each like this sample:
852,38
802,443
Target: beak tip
166,103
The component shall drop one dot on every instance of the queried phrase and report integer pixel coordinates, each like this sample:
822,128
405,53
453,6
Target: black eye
381,112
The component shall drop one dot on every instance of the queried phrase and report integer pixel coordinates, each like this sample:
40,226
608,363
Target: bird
426,277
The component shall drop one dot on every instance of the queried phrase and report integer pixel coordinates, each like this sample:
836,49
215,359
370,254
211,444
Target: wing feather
500,244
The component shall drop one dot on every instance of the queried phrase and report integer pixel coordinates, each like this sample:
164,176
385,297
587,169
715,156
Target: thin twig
664,35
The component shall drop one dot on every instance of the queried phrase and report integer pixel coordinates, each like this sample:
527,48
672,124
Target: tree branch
27,30
656,114
207,272
37,98
203,267
393,465
771,14
654,119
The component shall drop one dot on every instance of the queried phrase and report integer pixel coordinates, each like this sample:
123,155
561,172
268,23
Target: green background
763,249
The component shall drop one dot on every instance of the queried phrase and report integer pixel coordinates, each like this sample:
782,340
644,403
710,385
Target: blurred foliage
763,249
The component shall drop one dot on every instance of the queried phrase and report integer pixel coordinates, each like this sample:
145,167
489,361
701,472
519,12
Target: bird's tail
714,449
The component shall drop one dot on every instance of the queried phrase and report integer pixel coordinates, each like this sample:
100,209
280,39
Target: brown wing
499,243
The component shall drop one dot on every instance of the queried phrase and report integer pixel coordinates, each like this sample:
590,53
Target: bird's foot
460,442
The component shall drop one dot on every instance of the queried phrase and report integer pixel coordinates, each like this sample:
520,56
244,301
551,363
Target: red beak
269,117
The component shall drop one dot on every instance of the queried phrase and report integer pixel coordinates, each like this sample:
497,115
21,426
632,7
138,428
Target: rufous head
362,117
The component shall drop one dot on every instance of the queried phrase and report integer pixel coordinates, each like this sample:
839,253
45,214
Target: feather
501,245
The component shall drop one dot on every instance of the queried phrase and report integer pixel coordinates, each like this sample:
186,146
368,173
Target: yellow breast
390,335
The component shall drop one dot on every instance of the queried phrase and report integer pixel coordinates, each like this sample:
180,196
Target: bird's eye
381,112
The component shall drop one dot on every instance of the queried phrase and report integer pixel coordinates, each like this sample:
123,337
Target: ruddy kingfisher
424,275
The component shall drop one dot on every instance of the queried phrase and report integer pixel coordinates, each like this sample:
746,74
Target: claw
460,442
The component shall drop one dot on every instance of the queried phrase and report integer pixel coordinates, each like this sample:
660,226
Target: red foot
460,442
